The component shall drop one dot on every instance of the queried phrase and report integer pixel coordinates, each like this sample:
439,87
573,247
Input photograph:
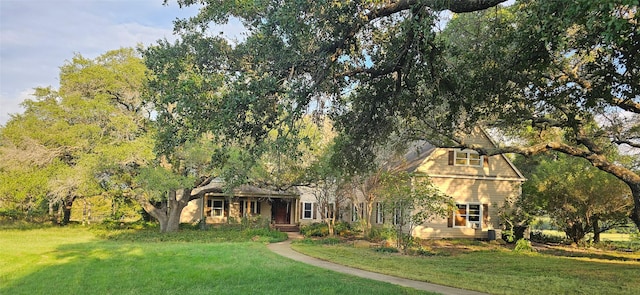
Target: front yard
496,269
77,261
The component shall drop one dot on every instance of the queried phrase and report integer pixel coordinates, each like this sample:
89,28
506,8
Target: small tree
577,196
411,200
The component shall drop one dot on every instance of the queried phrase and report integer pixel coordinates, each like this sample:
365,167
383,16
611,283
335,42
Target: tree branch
597,160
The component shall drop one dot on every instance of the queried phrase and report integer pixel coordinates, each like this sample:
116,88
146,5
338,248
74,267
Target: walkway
284,249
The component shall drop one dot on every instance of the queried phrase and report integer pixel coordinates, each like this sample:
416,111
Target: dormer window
467,158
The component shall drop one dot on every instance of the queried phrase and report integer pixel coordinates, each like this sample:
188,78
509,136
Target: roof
417,152
216,186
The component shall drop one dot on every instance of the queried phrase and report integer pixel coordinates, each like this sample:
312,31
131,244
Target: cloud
37,37
11,106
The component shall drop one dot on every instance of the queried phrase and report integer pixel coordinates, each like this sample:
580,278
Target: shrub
523,246
382,234
314,230
255,222
540,237
343,229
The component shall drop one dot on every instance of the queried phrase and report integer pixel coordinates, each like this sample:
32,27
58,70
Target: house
285,210
478,184
280,208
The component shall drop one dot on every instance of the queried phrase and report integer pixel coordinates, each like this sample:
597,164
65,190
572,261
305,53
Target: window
468,158
255,208
379,213
307,210
467,215
216,206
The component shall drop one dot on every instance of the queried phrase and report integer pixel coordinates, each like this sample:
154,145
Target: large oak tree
558,76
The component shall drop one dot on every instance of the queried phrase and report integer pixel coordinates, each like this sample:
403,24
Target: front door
280,213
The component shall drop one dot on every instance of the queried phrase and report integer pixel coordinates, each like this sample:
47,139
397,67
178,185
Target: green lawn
498,271
75,261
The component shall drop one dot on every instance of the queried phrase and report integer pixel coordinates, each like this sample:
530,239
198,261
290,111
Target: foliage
69,142
308,57
578,197
321,229
411,200
541,237
148,232
315,230
565,81
385,232
515,218
523,246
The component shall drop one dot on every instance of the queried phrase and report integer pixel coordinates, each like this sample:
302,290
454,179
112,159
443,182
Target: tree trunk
52,215
366,215
177,201
635,214
168,215
66,209
596,230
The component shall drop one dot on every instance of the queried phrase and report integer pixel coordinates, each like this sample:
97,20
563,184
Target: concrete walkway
284,249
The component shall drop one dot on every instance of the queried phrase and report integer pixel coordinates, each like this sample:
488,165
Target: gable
441,162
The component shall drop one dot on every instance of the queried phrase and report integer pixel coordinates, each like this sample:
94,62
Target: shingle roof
416,153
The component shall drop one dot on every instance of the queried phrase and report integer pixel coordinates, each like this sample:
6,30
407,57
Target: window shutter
451,157
301,209
450,219
257,207
485,215
314,209
485,161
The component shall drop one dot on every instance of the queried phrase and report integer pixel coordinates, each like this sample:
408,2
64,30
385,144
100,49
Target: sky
38,36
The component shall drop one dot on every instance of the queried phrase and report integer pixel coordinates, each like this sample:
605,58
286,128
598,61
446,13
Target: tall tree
567,81
362,61
95,117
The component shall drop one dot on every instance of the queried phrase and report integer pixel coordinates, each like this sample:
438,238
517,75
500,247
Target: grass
495,269
79,261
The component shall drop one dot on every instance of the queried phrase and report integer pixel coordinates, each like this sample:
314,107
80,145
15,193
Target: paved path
284,249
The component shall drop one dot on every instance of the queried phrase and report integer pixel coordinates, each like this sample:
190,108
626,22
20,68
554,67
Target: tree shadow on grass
586,254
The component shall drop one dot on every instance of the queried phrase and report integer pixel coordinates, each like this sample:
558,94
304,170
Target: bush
540,237
255,222
343,229
315,230
382,234
146,232
523,246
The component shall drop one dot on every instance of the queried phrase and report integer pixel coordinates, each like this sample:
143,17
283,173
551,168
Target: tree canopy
567,81
80,136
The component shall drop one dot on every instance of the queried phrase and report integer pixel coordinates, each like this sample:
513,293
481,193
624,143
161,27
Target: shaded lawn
494,271
74,261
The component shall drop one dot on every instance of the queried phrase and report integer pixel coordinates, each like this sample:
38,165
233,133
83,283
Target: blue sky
38,36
